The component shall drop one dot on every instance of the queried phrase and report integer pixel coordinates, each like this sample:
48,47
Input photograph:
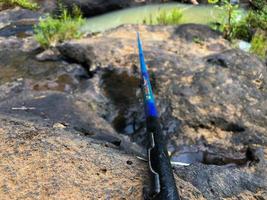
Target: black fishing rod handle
163,186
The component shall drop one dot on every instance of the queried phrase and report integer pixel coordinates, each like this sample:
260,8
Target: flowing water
191,14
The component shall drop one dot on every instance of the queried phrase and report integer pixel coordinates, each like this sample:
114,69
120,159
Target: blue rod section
149,100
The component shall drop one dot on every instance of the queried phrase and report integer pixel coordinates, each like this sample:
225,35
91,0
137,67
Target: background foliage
21,3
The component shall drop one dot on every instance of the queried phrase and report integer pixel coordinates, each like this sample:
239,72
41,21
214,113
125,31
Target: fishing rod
163,185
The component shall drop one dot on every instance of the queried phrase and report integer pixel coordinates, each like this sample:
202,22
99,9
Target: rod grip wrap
160,162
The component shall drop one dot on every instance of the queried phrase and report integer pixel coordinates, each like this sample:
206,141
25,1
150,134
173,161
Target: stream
205,15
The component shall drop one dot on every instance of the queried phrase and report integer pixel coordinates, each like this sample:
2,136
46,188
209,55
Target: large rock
210,97
57,164
18,22
93,7
212,101
17,14
53,91
219,182
38,162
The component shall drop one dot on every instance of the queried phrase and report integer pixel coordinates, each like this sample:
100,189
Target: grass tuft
53,30
259,44
165,17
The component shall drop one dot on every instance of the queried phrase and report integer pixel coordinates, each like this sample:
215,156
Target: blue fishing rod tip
137,34
150,105
138,38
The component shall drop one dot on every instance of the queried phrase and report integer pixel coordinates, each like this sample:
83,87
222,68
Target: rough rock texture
44,163
68,130
17,14
218,182
95,7
38,162
17,22
12,43
209,95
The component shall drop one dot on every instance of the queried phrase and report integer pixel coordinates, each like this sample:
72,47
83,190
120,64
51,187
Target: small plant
165,17
253,21
251,28
21,3
230,17
259,44
53,30
258,19
243,30
169,17
236,26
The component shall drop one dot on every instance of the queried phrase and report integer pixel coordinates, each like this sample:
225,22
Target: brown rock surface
44,163
212,101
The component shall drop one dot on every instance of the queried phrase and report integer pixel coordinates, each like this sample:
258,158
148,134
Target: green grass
21,3
53,30
259,44
230,16
169,17
165,17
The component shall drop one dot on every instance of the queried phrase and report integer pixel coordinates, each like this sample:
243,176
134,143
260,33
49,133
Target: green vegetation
242,31
258,4
165,17
169,17
259,44
56,29
229,18
21,3
252,27
248,26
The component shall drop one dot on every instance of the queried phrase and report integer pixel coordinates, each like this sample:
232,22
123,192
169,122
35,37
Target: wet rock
96,7
208,155
54,91
19,63
92,7
19,29
219,182
10,16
